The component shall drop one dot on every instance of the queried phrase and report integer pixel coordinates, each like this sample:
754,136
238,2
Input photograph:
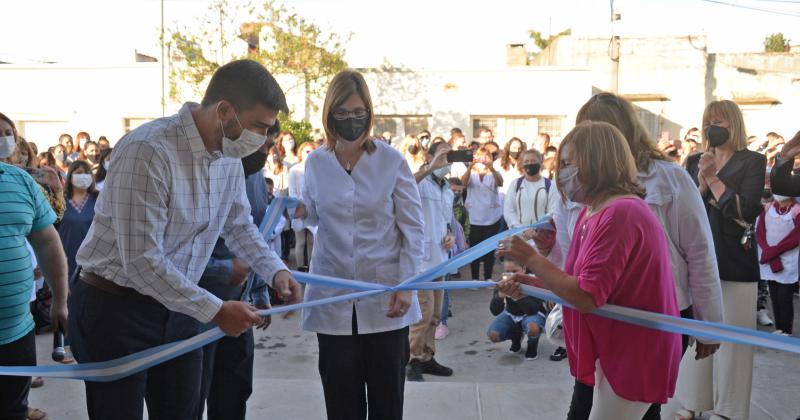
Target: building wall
47,100
681,70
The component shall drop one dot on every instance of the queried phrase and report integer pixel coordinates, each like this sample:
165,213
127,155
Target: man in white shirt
437,211
177,185
530,197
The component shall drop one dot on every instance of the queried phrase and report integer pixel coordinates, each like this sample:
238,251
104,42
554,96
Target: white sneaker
441,332
764,319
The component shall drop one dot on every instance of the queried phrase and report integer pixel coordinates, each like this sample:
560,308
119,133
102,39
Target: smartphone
459,156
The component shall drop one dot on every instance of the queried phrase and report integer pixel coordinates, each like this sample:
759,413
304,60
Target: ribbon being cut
119,368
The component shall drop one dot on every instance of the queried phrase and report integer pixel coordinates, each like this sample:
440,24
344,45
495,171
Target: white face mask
442,172
7,146
247,143
288,145
777,197
82,181
572,187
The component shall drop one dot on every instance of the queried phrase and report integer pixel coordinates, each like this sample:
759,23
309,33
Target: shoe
37,382
414,371
68,359
432,367
779,332
684,414
516,345
441,332
559,355
35,414
764,319
531,353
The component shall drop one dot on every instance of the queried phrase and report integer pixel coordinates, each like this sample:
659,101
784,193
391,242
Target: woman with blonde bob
731,182
361,195
619,256
672,195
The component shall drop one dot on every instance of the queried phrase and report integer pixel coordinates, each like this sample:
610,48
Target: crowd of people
156,240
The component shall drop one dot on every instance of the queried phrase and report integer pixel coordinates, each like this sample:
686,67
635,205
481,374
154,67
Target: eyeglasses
359,114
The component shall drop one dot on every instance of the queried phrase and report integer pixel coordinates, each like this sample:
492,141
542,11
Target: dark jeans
478,234
105,326
581,405
782,305
227,377
364,370
14,389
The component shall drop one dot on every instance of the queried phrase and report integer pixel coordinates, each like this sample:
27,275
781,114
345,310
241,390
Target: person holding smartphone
485,206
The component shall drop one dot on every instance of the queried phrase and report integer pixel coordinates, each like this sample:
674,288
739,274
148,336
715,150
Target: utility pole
614,54
163,92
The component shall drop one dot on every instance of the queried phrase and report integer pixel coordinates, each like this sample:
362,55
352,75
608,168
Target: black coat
744,176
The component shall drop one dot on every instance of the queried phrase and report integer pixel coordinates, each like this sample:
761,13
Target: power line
760,9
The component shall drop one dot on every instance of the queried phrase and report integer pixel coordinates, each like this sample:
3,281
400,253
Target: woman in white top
414,153
364,200
530,197
287,147
277,171
303,235
673,197
508,164
484,205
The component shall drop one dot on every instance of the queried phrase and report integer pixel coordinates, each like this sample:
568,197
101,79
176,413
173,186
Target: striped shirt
23,210
165,203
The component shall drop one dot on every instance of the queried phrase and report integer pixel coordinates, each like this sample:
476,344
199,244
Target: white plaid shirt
165,203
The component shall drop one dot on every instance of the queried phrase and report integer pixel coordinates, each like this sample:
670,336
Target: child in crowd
515,315
778,237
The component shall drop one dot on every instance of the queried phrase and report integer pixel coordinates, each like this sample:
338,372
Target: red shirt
620,256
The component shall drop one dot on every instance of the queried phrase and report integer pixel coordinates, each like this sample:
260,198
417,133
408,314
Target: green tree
542,42
277,37
776,43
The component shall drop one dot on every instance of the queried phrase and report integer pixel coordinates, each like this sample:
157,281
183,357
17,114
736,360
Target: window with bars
415,124
550,124
383,124
483,122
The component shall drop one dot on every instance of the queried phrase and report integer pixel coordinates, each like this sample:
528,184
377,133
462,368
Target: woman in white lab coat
364,200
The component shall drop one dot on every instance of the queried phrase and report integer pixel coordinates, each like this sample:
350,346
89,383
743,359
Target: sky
414,33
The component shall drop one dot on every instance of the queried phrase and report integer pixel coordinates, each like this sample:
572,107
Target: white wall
46,100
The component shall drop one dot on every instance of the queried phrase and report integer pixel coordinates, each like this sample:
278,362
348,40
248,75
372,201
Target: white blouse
484,203
370,228
778,227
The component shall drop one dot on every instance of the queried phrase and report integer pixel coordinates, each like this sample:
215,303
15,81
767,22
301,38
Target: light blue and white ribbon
119,368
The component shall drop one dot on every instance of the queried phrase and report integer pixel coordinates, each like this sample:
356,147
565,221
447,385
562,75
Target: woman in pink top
619,255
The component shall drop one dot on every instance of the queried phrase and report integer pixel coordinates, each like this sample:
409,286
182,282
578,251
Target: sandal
35,414
684,414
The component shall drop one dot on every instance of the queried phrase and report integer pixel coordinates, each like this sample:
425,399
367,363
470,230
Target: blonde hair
344,85
617,111
605,164
729,112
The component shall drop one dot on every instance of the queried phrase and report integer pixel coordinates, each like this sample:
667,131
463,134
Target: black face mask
413,150
494,155
717,136
351,129
254,163
514,155
533,169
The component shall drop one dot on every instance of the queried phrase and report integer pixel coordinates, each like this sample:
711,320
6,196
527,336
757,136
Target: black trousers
106,326
14,389
364,374
478,234
227,377
581,404
782,305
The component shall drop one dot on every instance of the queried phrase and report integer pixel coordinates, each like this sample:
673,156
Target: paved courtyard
489,382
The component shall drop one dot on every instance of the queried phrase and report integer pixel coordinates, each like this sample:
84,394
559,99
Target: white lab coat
370,228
